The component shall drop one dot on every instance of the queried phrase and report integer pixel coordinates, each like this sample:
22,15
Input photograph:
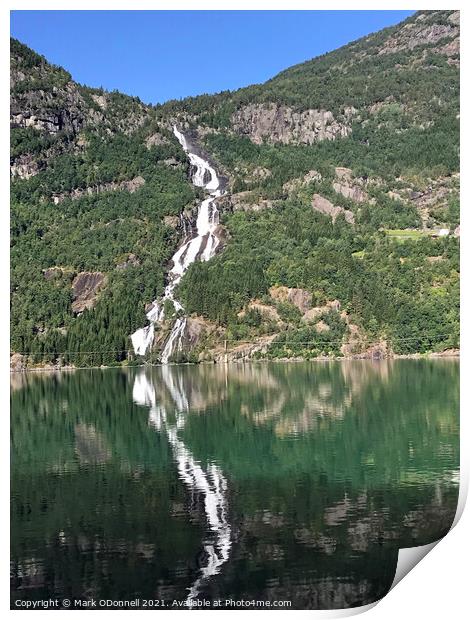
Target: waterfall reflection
208,481
265,396
260,481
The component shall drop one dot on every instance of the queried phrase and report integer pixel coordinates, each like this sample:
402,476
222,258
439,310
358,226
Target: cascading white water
210,482
202,246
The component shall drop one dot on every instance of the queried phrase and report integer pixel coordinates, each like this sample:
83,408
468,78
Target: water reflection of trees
368,439
329,468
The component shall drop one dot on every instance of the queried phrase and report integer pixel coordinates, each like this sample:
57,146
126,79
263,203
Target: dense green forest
387,287
99,181
403,141
371,150
56,230
95,233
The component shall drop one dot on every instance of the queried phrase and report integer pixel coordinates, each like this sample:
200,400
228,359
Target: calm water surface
295,482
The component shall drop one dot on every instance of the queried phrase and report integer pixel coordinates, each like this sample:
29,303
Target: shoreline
450,354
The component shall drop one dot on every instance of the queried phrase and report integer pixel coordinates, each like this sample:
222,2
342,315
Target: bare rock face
299,297
451,49
100,100
222,235
172,221
345,185
323,205
343,173
350,191
38,109
134,184
322,327
295,184
195,329
240,352
155,139
45,98
454,18
334,305
130,186
85,289
260,205
433,197
17,362
421,33
312,314
282,124
242,201
377,351
268,312
24,167
172,162
446,353
312,175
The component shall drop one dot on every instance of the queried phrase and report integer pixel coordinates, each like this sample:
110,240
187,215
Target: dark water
266,482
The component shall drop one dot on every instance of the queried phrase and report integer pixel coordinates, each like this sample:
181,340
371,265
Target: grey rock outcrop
354,193
100,100
299,297
275,123
24,167
173,221
85,288
312,314
243,201
347,187
155,139
295,184
323,205
268,312
420,33
17,362
130,186
52,110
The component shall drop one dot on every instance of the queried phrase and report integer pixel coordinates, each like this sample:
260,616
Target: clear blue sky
161,55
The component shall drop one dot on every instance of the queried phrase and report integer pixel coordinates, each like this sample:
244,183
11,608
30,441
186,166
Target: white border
438,584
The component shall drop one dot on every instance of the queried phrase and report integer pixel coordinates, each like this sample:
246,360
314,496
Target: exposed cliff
85,290
274,123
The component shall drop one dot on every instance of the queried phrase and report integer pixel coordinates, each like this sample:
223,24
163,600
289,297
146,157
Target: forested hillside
345,188
95,183
341,219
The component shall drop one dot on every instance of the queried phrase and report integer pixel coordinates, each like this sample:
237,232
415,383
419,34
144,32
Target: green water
267,482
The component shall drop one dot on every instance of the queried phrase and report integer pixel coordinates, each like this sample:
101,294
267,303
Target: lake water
267,482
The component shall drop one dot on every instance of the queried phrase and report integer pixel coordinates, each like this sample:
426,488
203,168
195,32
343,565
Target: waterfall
208,481
201,246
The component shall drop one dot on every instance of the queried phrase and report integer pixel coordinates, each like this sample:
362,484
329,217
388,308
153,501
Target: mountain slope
341,217
401,84
368,133
96,187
